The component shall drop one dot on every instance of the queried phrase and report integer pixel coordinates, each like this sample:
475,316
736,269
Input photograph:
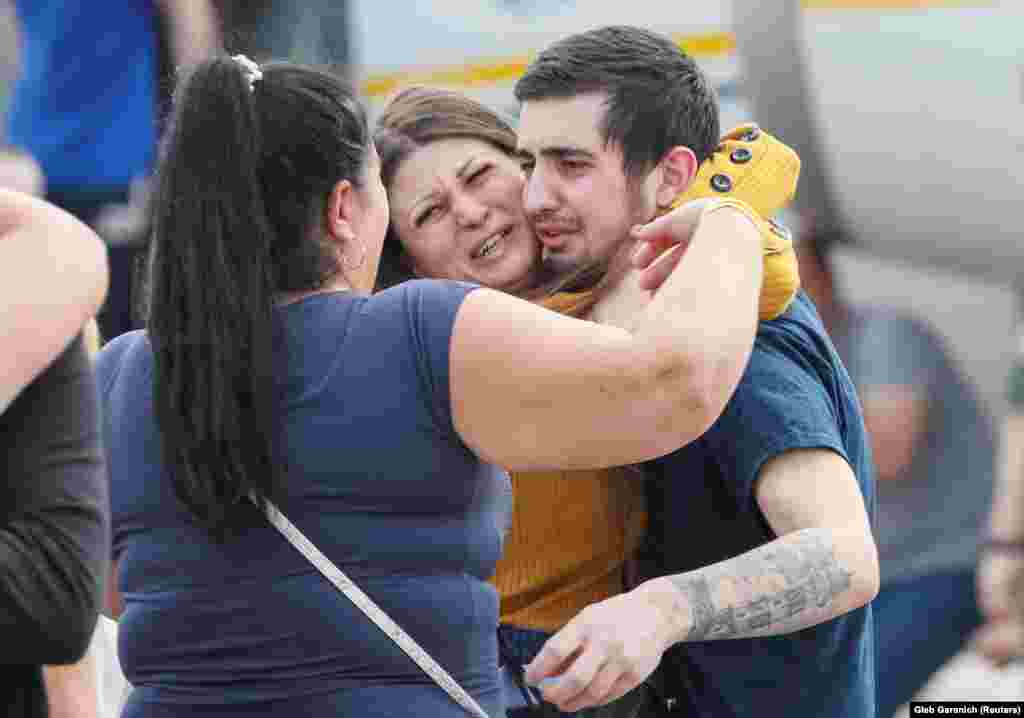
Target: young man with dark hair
761,529
666,103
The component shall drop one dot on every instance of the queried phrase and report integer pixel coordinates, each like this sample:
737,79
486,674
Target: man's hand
604,652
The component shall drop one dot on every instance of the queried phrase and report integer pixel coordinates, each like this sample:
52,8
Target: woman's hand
663,241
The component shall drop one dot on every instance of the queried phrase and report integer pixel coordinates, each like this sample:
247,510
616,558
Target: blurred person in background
54,532
934,451
311,32
1001,569
87,102
377,421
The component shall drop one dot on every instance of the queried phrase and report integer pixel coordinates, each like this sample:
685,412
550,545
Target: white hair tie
251,69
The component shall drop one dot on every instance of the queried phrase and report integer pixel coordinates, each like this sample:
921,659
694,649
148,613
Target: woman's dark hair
246,168
414,118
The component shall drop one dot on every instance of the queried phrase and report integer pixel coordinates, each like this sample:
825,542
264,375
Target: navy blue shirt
378,480
795,394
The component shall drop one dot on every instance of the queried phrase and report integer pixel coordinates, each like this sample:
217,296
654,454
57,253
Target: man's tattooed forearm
704,613
767,590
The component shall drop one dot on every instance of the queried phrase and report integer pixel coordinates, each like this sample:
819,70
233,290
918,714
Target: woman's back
377,478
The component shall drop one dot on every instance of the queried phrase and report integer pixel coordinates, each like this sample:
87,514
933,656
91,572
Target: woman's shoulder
419,298
129,347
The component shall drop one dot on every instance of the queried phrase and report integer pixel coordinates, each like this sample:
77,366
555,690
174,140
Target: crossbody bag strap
374,612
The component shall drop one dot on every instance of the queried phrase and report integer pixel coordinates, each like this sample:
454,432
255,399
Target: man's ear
339,221
676,171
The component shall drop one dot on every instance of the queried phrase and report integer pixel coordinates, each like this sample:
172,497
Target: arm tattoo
769,590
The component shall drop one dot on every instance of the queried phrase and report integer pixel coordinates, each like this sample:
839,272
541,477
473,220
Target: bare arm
1007,518
71,691
532,389
823,564
896,417
1001,569
53,277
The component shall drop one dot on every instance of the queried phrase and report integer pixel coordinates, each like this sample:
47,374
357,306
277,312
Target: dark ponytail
242,185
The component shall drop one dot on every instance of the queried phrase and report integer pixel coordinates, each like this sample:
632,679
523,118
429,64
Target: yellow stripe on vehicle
500,71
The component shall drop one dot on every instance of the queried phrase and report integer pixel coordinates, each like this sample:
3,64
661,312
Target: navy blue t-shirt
378,479
795,394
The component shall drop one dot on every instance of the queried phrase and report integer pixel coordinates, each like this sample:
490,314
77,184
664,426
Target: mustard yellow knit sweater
571,534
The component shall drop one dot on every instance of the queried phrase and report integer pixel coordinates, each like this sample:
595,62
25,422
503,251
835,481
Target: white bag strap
374,612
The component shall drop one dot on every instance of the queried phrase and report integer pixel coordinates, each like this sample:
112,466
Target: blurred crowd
90,93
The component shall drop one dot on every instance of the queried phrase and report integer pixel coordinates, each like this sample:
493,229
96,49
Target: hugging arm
533,390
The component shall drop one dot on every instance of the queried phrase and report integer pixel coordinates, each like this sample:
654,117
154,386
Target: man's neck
624,298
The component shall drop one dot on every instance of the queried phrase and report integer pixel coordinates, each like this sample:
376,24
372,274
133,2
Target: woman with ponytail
377,423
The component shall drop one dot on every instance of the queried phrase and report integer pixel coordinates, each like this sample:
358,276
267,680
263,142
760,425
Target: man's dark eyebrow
558,153
561,153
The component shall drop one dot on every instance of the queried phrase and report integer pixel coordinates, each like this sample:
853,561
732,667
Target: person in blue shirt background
87,104
934,450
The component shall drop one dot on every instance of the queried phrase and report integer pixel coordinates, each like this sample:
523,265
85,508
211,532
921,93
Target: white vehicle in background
908,116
